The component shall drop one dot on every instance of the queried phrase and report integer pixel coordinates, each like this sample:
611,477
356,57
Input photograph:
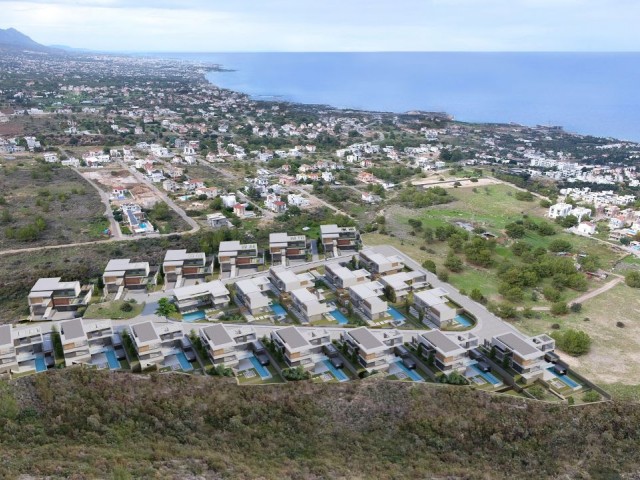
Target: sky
328,25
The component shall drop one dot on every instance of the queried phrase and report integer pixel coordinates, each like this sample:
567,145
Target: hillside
91,424
11,39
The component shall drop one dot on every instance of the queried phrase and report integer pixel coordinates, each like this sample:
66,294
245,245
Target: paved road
319,200
116,233
314,250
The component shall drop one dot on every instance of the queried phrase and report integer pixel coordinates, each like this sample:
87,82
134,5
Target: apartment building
524,356
379,264
402,283
182,268
81,341
339,240
227,345
51,295
236,258
374,348
286,280
366,301
123,274
341,277
153,343
433,305
252,293
449,352
301,347
212,294
310,306
286,249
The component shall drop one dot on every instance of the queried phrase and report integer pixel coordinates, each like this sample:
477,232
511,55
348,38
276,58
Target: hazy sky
329,25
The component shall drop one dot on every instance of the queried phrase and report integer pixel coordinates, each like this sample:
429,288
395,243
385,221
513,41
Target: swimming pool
489,377
395,314
41,365
184,363
339,374
412,374
193,316
564,378
278,309
114,364
263,372
340,318
463,320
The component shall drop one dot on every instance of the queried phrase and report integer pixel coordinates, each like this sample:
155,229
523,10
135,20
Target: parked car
409,363
402,352
483,366
260,353
333,355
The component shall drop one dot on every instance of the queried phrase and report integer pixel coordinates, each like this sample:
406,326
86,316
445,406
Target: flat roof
181,255
518,344
441,341
217,334
144,332
215,288
71,329
365,290
53,283
281,237
365,337
292,337
123,264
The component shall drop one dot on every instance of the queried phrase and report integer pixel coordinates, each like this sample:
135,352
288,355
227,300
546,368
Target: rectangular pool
262,371
278,310
463,320
339,374
340,318
488,376
412,374
41,365
395,314
194,316
564,378
114,364
184,363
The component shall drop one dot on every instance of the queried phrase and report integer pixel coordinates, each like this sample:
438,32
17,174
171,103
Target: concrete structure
227,345
450,352
285,248
51,295
19,348
402,283
366,301
234,258
373,348
8,359
342,277
82,340
301,347
123,273
218,220
559,210
204,295
155,342
339,240
286,280
182,268
379,264
524,356
433,305
310,306
252,294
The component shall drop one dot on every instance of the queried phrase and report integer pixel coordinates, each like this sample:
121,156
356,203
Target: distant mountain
12,39
67,48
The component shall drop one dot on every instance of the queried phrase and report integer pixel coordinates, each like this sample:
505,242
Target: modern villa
235,258
212,294
379,264
339,240
374,348
286,249
433,305
525,356
286,280
21,350
123,274
366,301
227,345
81,341
341,277
50,295
402,283
154,343
301,347
310,306
182,269
252,293
449,352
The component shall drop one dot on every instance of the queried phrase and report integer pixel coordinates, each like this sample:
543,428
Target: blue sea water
587,93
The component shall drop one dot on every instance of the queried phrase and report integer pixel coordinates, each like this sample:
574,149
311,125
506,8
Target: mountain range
12,39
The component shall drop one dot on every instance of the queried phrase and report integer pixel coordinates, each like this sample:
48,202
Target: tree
559,308
476,295
165,307
568,221
632,279
453,262
429,265
559,245
591,396
515,230
574,342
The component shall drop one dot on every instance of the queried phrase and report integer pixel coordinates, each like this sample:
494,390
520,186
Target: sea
586,93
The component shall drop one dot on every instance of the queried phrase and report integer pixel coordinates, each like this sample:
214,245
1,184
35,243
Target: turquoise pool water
488,376
395,314
412,374
41,365
184,363
463,320
340,318
114,364
278,309
262,371
339,374
193,316
564,378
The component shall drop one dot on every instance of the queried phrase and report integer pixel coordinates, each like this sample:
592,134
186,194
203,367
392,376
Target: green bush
296,374
591,396
632,279
537,392
573,342
559,308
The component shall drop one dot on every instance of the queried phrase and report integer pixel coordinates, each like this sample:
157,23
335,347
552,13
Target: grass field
113,310
70,208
